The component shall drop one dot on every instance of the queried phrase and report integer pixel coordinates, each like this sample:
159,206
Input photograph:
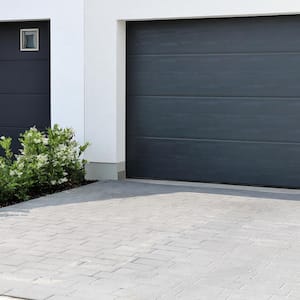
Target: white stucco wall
105,57
67,54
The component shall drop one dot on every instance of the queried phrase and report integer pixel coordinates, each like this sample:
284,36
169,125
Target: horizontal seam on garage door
21,94
24,59
214,54
217,140
219,97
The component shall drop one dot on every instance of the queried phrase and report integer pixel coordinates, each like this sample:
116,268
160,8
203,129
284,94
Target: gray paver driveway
129,240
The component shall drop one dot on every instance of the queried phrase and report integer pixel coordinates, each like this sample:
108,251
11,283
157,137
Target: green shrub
47,161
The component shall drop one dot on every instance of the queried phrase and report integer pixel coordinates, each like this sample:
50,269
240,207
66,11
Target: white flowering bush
47,161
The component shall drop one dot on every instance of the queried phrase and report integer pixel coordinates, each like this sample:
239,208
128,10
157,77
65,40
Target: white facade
88,60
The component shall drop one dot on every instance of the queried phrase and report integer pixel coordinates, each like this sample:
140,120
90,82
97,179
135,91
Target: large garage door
215,100
24,77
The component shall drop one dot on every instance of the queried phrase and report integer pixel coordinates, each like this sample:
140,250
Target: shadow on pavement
108,190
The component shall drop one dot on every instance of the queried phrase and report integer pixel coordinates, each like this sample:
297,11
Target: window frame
37,32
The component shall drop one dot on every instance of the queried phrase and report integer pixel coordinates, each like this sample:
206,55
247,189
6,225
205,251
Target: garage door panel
25,111
24,77
24,80
254,119
211,161
261,34
10,48
215,75
214,100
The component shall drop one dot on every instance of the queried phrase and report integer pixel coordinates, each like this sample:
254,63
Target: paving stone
128,240
30,292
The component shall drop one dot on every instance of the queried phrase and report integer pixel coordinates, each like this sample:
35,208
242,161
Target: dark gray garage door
24,80
215,100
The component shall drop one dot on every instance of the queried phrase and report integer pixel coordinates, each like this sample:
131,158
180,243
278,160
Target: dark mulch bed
45,191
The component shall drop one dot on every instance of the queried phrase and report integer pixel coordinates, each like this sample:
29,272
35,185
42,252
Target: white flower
21,165
53,182
19,174
12,173
62,180
45,141
62,147
42,159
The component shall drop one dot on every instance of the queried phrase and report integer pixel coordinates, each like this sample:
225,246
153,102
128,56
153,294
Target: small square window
29,39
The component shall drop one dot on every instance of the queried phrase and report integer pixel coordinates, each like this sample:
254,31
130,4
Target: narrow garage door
215,100
24,77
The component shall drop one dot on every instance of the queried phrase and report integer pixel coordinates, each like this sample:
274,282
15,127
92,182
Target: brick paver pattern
131,240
